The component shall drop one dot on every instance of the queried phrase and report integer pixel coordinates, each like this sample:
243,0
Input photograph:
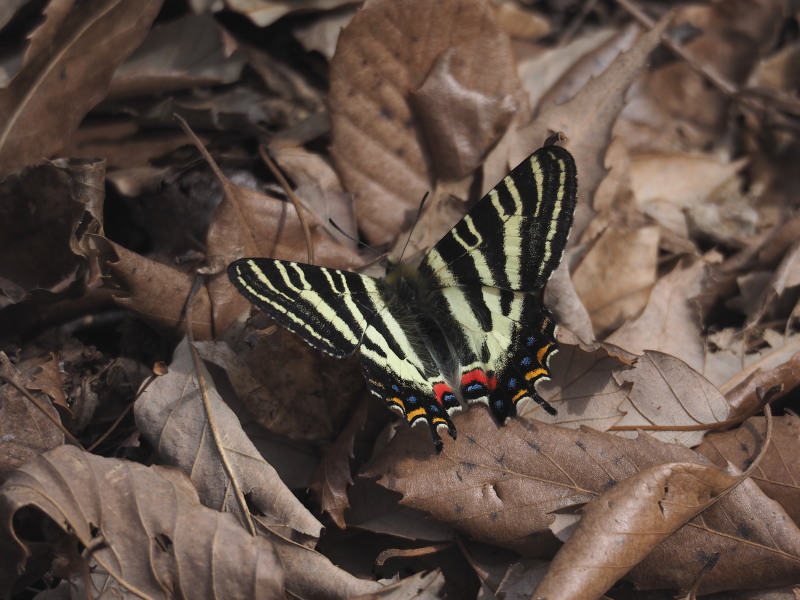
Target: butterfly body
465,326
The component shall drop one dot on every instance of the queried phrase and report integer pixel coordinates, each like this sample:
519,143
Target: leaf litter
677,300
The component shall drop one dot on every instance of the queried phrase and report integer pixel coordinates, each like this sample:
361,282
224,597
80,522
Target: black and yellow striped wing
515,236
462,328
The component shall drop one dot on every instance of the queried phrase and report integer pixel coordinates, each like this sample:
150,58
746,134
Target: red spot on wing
439,390
475,376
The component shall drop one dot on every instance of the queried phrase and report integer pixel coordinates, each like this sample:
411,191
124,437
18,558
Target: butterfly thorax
418,308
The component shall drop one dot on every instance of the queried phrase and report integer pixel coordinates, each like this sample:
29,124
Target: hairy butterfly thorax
466,326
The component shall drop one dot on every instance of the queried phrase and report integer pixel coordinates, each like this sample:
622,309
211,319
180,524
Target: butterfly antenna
414,225
360,244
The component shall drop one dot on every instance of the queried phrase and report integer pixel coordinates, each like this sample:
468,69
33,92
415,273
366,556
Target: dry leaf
502,484
118,509
25,431
156,292
289,387
66,72
171,415
186,52
670,322
583,388
265,12
35,226
746,396
590,115
778,472
388,143
625,524
249,224
612,295
333,476
667,396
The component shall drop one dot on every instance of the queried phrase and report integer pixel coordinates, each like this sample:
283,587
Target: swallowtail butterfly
465,326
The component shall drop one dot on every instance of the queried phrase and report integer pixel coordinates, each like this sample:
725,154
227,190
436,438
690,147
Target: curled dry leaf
144,525
156,292
171,415
502,484
66,72
391,76
778,472
777,356
621,527
45,375
746,396
667,396
35,225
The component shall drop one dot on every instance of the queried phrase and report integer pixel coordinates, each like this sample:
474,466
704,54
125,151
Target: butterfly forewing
461,328
328,308
515,236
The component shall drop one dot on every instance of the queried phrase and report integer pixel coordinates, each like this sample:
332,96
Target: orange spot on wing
535,373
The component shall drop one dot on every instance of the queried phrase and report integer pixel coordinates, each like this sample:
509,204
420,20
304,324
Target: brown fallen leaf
614,295
583,388
571,315
589,117
501,485
37,229
626,523
66,72
333,476
667,398
685,103
170,413
420,586
670,323
154,291
144,525
746,396
187,52
775,354
287,386
266,12
25,430
391,71
778,472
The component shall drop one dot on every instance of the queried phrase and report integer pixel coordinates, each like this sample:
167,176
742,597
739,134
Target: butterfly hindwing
464,326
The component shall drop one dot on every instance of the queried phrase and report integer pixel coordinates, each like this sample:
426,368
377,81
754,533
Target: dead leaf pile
159,438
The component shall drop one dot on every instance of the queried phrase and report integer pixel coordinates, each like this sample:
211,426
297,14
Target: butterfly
465,326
